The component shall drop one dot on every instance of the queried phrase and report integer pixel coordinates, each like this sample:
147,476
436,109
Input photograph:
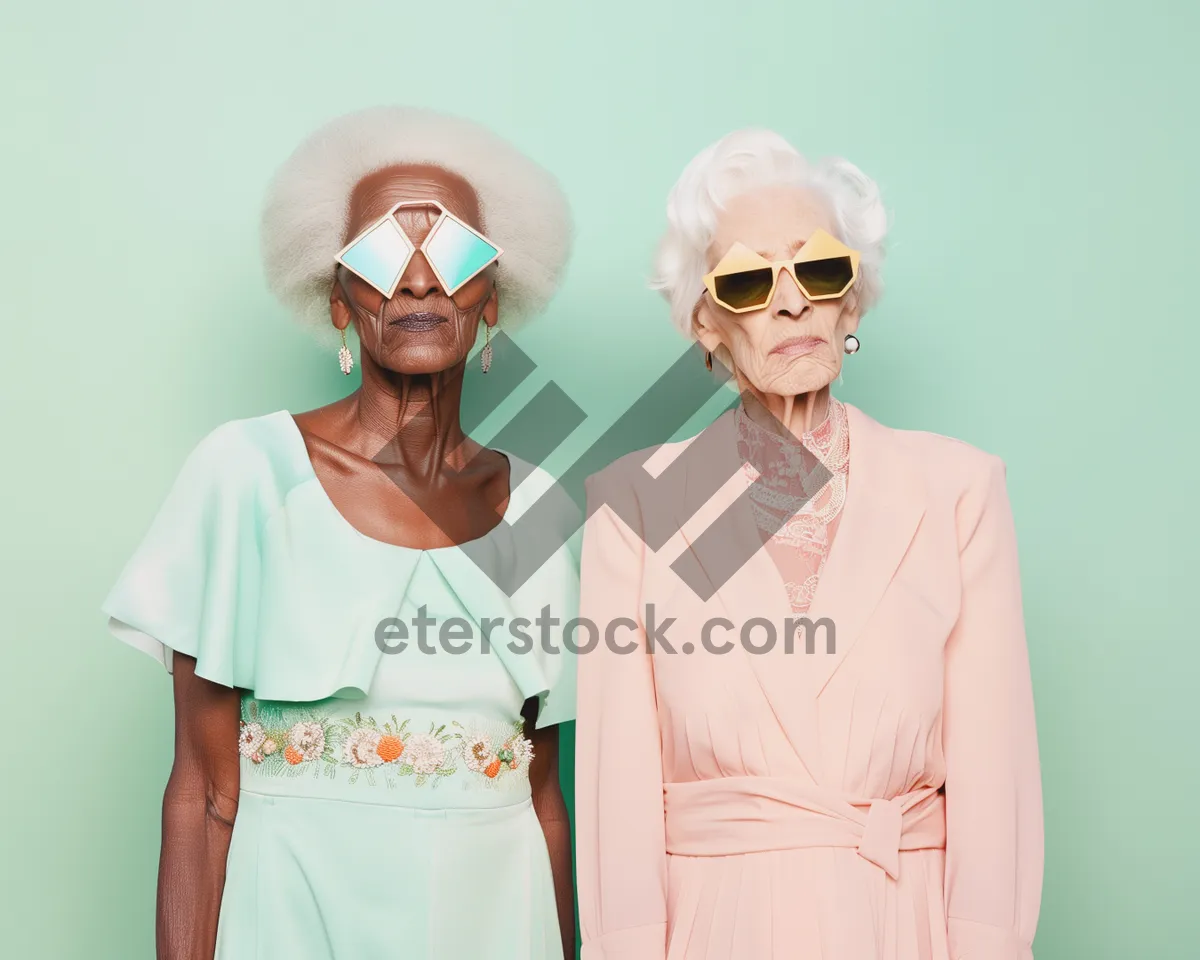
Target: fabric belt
738,815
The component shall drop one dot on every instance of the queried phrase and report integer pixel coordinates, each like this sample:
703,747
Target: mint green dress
385,807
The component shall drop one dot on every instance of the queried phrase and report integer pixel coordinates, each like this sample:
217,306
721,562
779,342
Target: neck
413,420
798,413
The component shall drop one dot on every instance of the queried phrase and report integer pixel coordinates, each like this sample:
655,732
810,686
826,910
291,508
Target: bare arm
199,807
551,810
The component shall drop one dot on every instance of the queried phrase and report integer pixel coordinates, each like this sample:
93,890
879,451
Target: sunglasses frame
820,242
413,248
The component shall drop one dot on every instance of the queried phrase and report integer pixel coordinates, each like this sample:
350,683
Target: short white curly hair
746,160
305,215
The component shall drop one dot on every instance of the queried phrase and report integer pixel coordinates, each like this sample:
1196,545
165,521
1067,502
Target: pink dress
870,792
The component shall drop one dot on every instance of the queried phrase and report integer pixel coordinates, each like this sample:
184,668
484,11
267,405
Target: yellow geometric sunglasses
824,269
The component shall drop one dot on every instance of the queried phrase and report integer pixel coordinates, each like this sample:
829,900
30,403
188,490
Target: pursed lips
417,322
798,346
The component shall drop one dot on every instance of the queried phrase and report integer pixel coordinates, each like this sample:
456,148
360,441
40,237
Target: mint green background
1041,162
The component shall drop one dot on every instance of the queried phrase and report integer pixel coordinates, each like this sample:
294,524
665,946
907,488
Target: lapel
885,502
884,505
740,573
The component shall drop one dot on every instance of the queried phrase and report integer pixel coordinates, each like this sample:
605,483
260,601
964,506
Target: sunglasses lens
746,288
379,255
825,278
457,253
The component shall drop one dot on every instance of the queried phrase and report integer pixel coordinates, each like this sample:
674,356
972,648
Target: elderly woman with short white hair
817,739
328,800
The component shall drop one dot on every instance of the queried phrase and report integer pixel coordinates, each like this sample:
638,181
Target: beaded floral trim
289,741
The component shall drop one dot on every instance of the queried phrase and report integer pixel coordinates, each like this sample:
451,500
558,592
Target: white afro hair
307,205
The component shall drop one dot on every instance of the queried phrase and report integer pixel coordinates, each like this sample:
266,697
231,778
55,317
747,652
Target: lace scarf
800,522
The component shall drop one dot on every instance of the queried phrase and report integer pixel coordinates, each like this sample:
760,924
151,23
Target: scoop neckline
297,436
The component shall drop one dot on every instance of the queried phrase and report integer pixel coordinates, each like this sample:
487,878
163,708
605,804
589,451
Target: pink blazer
877,801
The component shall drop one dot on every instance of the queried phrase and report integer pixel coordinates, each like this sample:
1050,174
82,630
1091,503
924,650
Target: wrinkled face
420,329
793,345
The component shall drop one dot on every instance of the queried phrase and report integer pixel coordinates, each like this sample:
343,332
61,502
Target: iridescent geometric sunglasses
381,253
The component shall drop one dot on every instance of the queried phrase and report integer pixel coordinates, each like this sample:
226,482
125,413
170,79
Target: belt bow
737,815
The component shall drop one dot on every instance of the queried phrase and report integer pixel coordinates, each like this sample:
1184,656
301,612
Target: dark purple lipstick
418,322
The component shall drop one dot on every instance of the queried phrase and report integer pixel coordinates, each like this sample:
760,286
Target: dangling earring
485,355
345,361
852,343
708,359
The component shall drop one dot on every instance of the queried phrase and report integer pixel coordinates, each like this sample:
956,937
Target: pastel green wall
1040,159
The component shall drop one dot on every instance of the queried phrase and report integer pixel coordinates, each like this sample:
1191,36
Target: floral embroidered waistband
287,742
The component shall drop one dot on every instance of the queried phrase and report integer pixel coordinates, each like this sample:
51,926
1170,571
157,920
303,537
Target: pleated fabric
820,903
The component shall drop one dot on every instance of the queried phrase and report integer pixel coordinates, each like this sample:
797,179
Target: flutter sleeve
554,682
192,583
546,521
